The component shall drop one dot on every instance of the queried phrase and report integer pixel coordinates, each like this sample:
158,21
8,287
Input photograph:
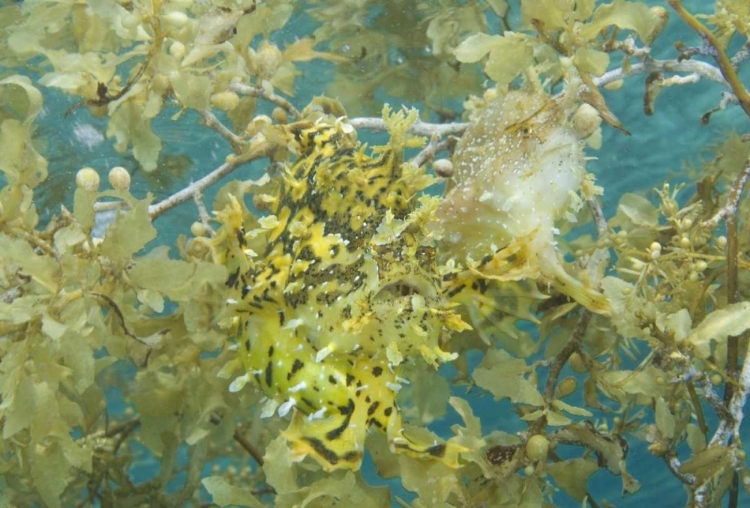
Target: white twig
739,398
232,163
674,464
258,91
434,147
419,128
681,80
602,229
729,428
203,213
702,69
211,121
734,198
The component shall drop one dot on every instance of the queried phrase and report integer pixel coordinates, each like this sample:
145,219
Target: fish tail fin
334,441
588,297
422,444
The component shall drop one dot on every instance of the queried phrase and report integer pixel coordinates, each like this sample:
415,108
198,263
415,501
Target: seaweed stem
598,214
248,447
729,426
39,243
690,67
725,64
259,91
419,128
734,398
123,430
242,440
203,213
214,123
573,345
575,342
697,407
589,498
233,162
729,211
428,153
120,318
674,464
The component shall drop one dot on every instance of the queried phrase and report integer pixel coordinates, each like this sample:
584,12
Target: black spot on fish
240,233
453,292
317,445
348,409
233,278
336,433
297,365
352,456
269,374
377,371
373,407
437,450
387,411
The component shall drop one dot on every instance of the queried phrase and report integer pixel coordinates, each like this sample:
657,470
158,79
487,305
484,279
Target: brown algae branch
241,440
724,62
574,345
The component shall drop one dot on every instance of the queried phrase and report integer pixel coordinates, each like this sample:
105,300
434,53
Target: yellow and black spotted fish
342,290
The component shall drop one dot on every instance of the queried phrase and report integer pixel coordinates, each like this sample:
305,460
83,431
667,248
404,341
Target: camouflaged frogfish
342,292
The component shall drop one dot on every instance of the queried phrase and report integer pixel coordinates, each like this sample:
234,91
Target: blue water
658,148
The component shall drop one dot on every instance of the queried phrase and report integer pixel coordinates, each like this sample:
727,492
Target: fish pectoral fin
335,442
420,443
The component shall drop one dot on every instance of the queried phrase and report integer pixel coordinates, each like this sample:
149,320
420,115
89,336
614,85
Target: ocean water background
659,148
